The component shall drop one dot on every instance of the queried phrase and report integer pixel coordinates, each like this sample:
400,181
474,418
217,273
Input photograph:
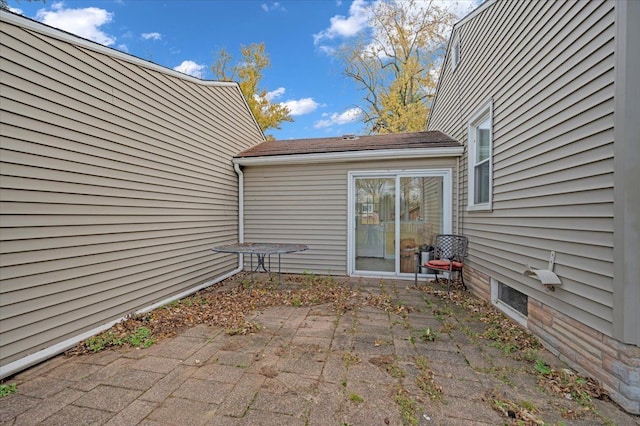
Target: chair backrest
451,246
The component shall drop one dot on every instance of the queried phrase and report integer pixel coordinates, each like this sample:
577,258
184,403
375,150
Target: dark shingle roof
430,139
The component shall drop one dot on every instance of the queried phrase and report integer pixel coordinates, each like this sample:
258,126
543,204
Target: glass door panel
392,214
421,215
375,202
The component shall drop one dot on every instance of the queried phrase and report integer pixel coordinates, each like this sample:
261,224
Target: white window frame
508,310
481,115
447,219
455,53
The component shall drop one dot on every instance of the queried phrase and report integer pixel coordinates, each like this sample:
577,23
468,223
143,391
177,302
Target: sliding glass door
393,213
375,200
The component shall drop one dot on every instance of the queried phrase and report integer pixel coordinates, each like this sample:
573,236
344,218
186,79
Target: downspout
458,203
238,170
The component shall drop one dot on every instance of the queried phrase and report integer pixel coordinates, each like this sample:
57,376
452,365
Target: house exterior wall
548,70
116,180
308,204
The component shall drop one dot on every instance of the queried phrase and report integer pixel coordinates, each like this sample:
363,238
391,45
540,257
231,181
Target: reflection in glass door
375,207
394,213
421,216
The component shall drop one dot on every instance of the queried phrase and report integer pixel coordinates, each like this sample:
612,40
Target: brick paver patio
306,366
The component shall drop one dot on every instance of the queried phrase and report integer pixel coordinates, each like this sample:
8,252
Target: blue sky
186,34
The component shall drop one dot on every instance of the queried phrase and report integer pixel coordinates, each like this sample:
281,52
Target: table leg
261,264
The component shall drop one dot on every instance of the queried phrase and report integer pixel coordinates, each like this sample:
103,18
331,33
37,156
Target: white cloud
460,8
123,48
300,106
85,22
16,10
152,36
348,26
349,116
358,21
295,107
191,68
274,94
268,7
328,50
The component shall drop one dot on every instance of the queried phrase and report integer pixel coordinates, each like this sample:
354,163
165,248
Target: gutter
334,157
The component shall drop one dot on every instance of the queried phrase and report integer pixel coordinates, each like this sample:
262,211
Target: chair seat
443,264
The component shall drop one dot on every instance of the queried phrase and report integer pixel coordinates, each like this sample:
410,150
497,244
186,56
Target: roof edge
25,22
454,30
335,157
473,13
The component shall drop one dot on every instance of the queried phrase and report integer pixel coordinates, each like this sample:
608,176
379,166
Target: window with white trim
480,163
455,53
510,301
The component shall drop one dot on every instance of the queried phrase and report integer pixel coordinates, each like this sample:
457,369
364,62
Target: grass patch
407,406
522,412
141,337
395,371
427,335
426,379
350,359
448,327
355,398
102,341
569,384
7,389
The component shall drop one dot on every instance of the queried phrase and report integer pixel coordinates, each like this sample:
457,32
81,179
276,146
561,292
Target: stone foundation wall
478,283
615,365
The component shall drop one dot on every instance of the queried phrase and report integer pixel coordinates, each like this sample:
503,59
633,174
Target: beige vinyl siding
307,204
116,180
548,69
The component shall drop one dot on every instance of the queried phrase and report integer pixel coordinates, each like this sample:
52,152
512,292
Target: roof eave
475,12
30,24
336,157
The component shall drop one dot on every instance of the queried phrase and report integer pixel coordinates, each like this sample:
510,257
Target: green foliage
142,337
427,335
103,341
407,407
426,379
395,371
354,397
8,389
542,367
350,359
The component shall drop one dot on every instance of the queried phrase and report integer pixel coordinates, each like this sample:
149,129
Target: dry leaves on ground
226,308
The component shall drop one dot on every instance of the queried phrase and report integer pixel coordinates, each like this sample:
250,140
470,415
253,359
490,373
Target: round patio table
262,251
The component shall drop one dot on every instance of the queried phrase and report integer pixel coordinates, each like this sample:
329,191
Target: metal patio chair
449,254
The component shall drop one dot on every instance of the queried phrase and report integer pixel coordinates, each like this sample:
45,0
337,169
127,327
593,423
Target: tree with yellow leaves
394,63
248,73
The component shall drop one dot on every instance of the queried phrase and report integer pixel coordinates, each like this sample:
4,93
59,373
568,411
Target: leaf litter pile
226,308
